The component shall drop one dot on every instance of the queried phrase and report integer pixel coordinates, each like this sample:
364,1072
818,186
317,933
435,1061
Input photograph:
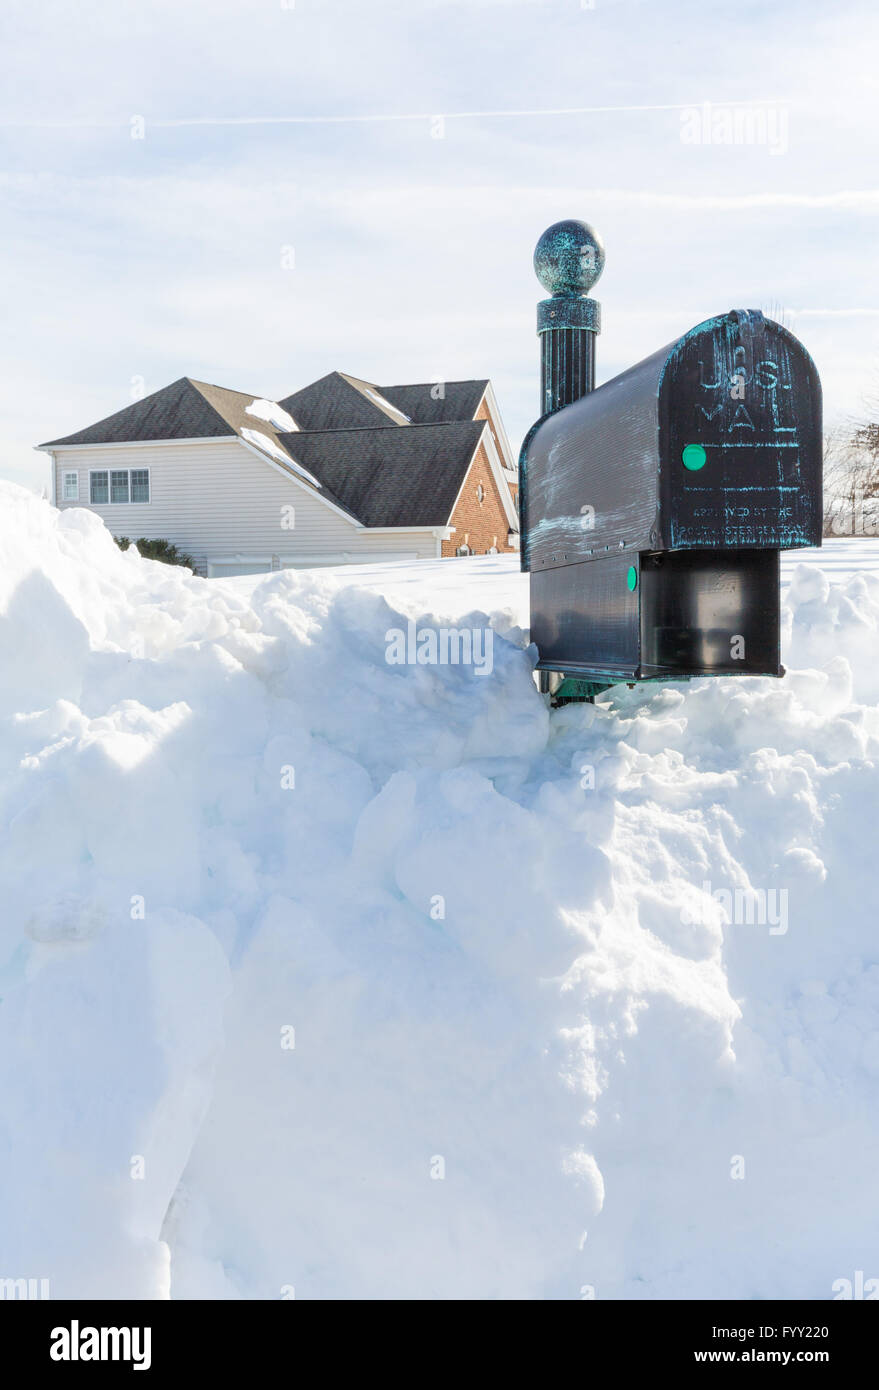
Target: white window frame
128,501
139,502
66,474
116,474
92,472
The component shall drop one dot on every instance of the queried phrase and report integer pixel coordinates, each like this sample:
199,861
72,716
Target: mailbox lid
740,397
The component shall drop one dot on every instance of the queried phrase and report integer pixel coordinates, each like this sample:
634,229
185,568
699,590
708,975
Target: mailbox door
740,438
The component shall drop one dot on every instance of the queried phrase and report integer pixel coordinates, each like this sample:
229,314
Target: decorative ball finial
569,258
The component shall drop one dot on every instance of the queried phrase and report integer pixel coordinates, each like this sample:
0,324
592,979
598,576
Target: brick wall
484,523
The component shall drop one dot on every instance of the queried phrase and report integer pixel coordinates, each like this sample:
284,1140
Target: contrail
175,122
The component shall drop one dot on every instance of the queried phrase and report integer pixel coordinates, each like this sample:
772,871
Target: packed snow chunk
109,1033
43,647
808,585
325,972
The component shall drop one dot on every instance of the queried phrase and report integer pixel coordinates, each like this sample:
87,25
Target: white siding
219,501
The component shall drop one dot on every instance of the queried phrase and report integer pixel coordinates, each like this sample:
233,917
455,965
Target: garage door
224,570
322,561
309,564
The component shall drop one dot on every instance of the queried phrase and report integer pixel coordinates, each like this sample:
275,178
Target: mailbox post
568,260
655,506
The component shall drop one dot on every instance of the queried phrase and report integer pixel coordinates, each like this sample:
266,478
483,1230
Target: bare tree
851,498
866,439
851,472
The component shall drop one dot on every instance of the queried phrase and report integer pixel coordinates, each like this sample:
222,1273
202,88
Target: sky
256,192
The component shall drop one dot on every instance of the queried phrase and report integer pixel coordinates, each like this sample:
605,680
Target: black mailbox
655,506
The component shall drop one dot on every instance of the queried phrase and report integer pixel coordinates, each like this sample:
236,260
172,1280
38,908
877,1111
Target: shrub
165,551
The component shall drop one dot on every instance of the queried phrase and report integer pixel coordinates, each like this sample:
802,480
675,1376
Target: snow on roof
273,414
268,446
386,404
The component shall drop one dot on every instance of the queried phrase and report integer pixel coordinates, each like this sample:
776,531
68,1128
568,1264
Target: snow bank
364,980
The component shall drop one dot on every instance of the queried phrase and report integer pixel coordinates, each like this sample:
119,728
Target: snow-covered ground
371,980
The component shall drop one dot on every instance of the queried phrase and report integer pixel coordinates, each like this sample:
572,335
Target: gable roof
392,477
460,400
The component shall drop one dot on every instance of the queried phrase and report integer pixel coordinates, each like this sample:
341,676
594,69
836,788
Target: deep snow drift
373,980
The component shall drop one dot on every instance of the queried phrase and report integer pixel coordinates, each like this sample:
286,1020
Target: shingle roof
369,462
334,402
373,393
339,401
189,409
179,411
409,476
423,404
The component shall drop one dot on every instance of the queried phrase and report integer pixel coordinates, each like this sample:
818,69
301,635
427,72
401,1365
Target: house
342,471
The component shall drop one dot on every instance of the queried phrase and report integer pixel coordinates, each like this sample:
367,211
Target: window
70,487
140,485
463,550
118,485
480,492
98,489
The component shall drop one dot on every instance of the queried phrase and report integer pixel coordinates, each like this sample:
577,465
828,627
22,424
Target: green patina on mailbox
654,507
